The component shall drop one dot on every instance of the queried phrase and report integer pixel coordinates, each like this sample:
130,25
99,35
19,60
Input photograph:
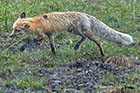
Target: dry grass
121,61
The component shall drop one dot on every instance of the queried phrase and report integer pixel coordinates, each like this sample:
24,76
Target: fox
77,23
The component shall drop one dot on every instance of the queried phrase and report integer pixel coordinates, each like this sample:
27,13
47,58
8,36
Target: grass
121,15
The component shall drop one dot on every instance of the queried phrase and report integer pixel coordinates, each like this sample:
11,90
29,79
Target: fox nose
11,35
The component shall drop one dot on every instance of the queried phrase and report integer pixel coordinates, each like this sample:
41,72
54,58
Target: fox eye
26,26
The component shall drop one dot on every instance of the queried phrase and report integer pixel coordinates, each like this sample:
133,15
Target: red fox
77,23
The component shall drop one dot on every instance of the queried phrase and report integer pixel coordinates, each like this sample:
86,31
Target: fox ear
26,26
45,16
23,15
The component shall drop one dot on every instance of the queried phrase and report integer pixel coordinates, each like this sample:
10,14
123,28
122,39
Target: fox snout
14,33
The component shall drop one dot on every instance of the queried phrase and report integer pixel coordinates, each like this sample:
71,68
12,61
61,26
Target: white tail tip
127,39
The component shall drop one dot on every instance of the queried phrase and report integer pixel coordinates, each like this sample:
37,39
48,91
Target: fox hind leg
77,33
92,38
79,43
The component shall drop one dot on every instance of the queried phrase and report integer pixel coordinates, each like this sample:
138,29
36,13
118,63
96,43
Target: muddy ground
75,77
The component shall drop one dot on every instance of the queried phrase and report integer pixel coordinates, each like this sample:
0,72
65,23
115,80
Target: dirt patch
78,76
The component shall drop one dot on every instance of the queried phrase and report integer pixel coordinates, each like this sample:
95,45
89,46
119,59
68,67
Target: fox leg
79,43
50,36
77,33
35,40
92,38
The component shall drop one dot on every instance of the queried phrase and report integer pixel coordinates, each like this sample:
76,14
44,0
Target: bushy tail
110,34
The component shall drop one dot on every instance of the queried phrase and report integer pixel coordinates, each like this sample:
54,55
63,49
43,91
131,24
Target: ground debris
78,76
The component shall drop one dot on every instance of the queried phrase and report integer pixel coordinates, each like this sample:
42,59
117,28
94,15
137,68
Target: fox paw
76,47
22,49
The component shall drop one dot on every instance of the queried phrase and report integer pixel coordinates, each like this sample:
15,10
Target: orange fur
75,22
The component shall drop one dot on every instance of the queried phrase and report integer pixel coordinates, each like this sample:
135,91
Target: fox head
20,25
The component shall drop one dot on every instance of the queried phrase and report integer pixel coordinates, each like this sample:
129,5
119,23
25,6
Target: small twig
108,60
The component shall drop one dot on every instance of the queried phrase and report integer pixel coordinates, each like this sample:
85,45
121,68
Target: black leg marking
79,43
28,43
52,47
50,36
92,38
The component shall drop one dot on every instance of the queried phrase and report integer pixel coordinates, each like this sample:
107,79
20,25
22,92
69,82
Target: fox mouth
14,35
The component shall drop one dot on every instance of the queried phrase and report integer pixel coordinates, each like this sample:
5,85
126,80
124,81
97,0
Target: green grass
123,16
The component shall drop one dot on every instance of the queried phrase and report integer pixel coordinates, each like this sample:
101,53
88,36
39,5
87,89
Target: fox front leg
27,44
33,41
51,38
